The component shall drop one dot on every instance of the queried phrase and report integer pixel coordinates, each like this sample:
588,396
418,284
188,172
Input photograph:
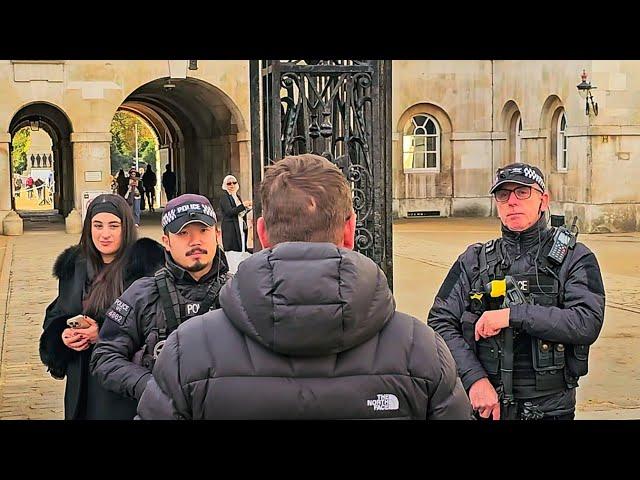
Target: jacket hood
308,299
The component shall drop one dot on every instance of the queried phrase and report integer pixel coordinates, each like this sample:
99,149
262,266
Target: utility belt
176,309
540,367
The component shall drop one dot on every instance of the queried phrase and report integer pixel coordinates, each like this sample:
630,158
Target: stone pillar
5,183
91,154
244,156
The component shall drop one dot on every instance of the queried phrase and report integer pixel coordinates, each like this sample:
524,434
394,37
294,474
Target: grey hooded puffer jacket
306,331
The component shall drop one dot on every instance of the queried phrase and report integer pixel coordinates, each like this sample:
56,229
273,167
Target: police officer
533,375
140,320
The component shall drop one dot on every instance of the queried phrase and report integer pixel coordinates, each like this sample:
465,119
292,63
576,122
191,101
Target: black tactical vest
538,364
176,309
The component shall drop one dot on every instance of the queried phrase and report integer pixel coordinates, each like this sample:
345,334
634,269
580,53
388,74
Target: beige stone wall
89,93
40,143
477,101
473,101
5,178
458,95
90,154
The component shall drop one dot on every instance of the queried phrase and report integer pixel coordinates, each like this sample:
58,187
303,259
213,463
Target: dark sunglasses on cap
231,183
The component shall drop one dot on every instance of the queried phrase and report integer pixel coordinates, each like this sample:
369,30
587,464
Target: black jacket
133,319
231,238
123,184
169,182
149,179
70,268
322,342
577,322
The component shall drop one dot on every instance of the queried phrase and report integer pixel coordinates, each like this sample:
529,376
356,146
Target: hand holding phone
79,321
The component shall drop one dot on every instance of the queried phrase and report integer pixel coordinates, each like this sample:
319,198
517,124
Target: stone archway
58,126
200,129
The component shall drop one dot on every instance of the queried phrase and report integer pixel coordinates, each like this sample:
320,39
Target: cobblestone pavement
423,252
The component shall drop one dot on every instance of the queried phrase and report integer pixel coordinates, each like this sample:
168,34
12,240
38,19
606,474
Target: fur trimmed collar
145,257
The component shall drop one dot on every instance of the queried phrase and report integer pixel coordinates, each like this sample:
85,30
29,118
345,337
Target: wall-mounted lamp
178,68
584,89
193,64
34,125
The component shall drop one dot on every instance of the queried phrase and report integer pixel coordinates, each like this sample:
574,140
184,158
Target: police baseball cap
186,209
521,173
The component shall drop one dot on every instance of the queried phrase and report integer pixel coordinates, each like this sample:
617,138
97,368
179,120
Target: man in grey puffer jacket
308,328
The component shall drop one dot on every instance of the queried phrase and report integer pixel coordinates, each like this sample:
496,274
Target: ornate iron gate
340,109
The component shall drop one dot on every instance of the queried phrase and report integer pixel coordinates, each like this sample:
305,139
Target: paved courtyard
424,249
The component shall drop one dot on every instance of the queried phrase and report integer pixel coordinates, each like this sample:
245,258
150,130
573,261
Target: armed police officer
140,320
522,359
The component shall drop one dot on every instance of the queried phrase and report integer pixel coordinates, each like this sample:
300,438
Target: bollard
12,224
73,222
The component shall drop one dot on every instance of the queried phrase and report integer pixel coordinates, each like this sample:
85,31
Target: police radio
563,240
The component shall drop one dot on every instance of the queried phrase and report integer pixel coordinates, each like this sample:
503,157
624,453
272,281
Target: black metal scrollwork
338,109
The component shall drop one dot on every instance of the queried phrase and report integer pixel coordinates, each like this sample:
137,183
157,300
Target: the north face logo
385,401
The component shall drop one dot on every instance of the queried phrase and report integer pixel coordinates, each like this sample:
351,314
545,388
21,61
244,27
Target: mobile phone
79,321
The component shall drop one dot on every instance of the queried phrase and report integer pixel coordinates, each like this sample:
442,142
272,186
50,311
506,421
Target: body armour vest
538,364
176,309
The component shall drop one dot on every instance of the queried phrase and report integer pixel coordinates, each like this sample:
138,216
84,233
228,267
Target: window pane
420,143
419,120
431,160
431,127
563,122
431,144
419,131
418,160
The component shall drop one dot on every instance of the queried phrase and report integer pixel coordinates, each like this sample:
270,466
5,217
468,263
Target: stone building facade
453,123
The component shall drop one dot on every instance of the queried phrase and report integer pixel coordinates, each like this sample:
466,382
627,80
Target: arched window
518,140
421,144
562,143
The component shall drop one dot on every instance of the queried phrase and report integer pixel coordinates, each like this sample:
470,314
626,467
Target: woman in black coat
123,183
234,210
91,276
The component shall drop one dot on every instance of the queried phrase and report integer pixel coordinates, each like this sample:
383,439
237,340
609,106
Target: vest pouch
468,324
543,300
488,352
548,364
578,360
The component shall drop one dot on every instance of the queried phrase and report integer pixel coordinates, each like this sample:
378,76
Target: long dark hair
108,282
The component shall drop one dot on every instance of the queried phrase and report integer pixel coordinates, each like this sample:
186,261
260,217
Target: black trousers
520,413
567,416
